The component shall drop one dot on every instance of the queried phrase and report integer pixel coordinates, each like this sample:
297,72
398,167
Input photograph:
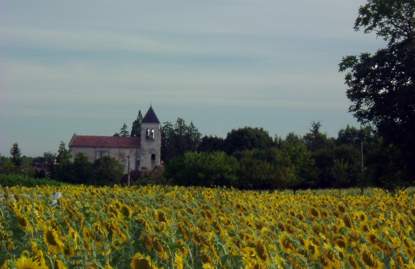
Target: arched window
150,134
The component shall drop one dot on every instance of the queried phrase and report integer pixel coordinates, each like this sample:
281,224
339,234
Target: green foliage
393,20
64,156
381,85
178,138
265,169
346,166
107,171
9,180
300,158
7,166
211,143
315,139
203,169
63,168
16,155
82,169
136,126
124,130
247,138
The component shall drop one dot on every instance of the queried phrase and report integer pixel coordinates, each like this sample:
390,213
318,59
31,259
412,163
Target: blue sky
86,67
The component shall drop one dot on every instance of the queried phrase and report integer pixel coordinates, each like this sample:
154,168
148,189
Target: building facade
135,153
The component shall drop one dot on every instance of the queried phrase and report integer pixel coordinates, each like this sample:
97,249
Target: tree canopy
178,138
393,20
124,130
16,154
381,85
136,126
247,138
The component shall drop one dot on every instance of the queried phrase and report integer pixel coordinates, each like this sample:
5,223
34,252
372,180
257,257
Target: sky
88,66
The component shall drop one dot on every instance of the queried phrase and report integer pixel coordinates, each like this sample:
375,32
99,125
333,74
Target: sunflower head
314,212
261,250
52,240
285,242
125,211
368,258
25,262
139,261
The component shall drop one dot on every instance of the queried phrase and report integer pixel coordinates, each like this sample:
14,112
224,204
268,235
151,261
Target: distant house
135,153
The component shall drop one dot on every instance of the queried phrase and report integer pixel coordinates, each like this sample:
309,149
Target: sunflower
208,266
361,216
161,216
364,226
372,238
125,211
352,262
52,240
279,261
341,242
139,261
178,261
347,221
311,249
314,212
368,258
261,250
248,252
26,263
148,241
285,242
60,265
22,221
341,208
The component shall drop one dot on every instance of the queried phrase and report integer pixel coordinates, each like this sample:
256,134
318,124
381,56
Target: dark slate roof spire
150,116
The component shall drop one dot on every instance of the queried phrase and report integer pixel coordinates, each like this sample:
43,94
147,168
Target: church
135,153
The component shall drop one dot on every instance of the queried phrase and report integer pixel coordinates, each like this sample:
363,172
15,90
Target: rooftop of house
94,141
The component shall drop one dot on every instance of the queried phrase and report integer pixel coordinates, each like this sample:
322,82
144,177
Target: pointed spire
150,116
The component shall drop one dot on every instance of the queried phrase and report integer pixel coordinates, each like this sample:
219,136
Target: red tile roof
92,141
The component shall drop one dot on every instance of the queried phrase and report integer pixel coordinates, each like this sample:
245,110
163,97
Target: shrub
203,169
9,180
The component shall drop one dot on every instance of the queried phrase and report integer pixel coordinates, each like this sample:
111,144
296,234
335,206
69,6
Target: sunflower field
177,227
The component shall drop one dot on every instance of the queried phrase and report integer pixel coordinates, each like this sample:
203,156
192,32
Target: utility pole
128,170
362,164
361,152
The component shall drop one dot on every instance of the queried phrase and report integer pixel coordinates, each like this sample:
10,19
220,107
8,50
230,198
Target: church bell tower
150,141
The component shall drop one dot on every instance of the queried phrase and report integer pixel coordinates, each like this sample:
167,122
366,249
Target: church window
153,157
150,134
101,153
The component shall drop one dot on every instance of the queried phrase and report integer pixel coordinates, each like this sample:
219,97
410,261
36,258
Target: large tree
63,156
16,155
211,143
381,85
107,171
136,126
247,138
178,138
124,131
203,169
315,139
